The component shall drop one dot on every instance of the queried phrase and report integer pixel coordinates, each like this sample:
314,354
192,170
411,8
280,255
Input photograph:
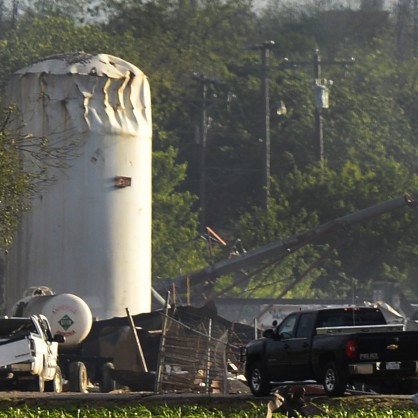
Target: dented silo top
82,63
106,84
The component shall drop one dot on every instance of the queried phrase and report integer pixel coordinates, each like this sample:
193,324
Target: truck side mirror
58,338
269,333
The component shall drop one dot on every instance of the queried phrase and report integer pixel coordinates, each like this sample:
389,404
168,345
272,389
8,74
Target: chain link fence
194,355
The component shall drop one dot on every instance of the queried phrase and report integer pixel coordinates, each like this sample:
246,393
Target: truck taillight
32,347
351,349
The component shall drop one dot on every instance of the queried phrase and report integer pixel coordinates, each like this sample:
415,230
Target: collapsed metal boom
287,246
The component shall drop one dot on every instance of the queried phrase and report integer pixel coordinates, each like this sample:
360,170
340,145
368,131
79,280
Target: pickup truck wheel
257,380
38,385
335,383
55,385
77,378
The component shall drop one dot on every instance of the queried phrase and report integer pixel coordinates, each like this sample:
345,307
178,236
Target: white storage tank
68,314
89,231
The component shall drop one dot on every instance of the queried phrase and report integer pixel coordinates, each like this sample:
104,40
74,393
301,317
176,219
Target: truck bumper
22,367
17,368
405,368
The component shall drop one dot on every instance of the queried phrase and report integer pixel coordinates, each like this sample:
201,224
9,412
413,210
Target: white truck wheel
55,385
38,384
78,377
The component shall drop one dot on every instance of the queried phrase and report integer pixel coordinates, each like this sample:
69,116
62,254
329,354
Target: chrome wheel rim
256,380
330,380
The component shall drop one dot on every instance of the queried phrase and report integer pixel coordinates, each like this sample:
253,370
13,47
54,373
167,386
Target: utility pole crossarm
317,66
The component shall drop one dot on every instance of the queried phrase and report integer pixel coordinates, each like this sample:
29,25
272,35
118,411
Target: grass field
353,407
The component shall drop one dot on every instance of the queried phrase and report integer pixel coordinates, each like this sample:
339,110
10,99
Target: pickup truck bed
360,329
16,351
29,354
311,345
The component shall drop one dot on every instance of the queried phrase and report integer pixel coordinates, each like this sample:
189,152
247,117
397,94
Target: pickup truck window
349,317
45,329
287,327
305,325
13,326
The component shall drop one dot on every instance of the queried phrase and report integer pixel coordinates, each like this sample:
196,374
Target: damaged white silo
89,232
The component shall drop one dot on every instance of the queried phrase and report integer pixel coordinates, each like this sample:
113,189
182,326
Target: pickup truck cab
334,347
29,354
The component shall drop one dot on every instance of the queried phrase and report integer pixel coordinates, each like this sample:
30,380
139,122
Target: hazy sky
347,3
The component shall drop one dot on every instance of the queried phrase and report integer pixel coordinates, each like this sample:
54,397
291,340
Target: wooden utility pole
265,55
415,39
319,130
203,140
203,147
265,48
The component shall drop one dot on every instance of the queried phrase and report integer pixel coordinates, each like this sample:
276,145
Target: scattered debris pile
291,403
183,349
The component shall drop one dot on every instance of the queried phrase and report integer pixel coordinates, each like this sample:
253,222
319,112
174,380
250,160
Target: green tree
347,257
19,182
177,247
15,184
36,38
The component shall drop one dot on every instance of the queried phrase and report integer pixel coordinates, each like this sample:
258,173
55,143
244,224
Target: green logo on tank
66,322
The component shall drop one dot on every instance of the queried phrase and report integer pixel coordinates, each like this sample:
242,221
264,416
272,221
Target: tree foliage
370,128
176,243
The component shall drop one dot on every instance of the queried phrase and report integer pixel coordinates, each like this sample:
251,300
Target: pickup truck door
277,350
299,347
46,348
289,354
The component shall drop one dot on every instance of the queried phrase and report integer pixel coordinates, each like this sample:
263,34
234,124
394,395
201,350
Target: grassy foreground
249,410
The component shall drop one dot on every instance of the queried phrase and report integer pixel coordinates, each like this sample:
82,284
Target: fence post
140,353
225,369
161,353
208,385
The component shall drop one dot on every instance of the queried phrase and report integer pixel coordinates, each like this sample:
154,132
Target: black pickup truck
335,347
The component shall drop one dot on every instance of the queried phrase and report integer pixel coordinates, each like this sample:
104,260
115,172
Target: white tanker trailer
69,316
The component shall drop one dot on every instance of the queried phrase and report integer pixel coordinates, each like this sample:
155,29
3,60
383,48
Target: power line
320,95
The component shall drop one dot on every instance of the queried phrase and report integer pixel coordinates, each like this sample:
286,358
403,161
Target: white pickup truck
29,355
